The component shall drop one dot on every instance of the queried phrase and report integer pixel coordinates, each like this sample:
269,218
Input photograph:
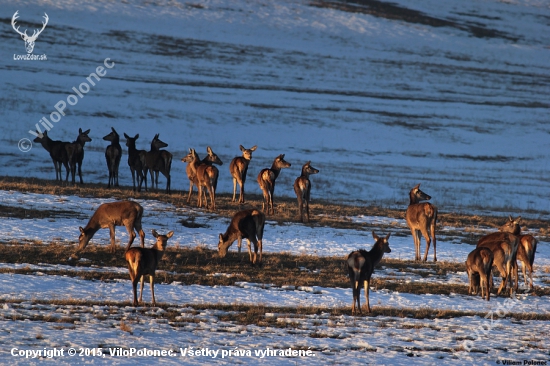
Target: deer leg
428,242
432,232
415,236
142,279
80,172
152,282
239,242
250,252
131,234
112,235
366,285
135,281
234,190
190,191
137,226
299,198
261,250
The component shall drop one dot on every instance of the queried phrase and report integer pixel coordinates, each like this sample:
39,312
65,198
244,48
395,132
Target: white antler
24,35
35,34
29,41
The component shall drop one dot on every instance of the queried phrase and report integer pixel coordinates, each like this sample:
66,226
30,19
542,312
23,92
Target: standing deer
527,246
266,180
136,162
421,217
57,151
503,258
361,266
144,261
206,171
113,153
302,187
75,152
246,224
109,215
478,266
159,161
238,169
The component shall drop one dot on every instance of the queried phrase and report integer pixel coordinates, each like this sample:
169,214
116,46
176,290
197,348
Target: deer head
29,41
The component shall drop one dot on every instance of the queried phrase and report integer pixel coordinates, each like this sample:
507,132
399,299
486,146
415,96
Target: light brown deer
527,247
158,161
302,188
113,153
361,265
238,169
266,180
478,266
206,171
421,217
136,162
57,151
503,259
109,215
144,261
75,153
246,224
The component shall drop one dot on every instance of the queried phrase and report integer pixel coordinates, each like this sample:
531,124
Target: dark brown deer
144,261
113,153
503,259
246,224
238,169
506,234
478,266
361,265
302,188
136,162
421,219
75,152
159,161
109,215
57,151
266,180
527,247
209,173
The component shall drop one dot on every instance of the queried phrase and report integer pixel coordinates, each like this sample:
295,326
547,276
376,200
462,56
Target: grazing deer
113,153
478,265
206,171
266,180
246,224
109,215
144,261
527,247
158,161
302,187
238,169
57,151
136,162
503,259
421,217
75,152
361,266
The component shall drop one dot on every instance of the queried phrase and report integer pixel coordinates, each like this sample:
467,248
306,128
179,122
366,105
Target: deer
421,217
109,215
527,247
113,153
302,188
478,266
136,162
361,265
144,261
75,152
266,180
57,152
238,169
206,171
503,259
157,161
245,224
29,40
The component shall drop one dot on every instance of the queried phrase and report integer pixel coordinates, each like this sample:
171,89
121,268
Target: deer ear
169,235
388,236
209,149
137,136
79,130
517,220
374,235
253,148
154,232
221,238
125,135
81,229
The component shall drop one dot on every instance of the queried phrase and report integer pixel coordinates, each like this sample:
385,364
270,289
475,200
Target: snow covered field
378,96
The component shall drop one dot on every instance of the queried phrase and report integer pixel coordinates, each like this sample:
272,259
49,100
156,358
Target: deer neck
276,170
376,253
412,199
230,235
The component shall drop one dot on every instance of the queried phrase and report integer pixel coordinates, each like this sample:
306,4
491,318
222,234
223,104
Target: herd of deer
501,248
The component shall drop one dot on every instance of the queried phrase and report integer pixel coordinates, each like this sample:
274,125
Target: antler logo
29,41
